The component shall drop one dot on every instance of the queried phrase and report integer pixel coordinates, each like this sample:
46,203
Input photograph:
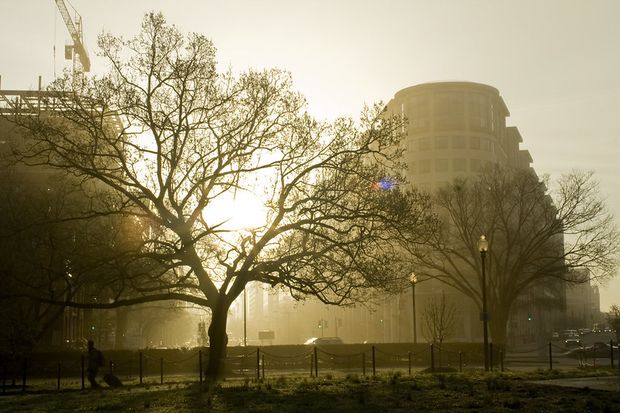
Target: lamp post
413,279
245,326
483,247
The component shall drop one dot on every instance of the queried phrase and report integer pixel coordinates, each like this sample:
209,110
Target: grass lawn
454,392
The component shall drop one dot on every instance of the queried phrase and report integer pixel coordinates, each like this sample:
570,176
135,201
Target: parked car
596,350
572,342
317,341
569,334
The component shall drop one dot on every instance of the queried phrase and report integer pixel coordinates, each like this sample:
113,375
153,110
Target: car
317,341
569,334
596,350
572,342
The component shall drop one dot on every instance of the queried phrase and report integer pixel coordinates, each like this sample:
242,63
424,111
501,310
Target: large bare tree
165,138
534,234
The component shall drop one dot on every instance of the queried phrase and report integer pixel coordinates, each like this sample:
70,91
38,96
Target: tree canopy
166,139
537,231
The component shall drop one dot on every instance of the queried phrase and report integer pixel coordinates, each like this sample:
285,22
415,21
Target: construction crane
75,30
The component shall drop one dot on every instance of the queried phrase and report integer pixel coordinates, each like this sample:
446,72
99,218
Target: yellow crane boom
75,30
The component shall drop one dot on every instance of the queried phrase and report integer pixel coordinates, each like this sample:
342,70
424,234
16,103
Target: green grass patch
393,391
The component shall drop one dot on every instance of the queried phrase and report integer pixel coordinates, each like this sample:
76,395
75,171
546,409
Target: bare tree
613,318
190,138
438,316
534,235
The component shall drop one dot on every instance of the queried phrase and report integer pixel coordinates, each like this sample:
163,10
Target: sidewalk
610,383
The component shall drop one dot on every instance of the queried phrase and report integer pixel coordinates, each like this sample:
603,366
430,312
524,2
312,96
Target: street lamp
483,247
413,280
245,312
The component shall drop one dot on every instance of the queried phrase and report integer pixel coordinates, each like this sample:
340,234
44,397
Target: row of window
452,142
449,110
426,166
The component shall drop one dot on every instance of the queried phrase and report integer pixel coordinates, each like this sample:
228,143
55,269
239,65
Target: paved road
611,383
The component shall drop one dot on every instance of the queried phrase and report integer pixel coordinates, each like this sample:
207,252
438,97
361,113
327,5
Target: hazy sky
555,62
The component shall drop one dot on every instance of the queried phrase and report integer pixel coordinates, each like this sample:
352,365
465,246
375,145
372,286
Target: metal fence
67,370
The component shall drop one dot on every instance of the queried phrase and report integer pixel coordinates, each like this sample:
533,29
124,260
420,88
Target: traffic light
529,317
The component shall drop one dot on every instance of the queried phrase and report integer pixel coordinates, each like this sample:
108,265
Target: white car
317,341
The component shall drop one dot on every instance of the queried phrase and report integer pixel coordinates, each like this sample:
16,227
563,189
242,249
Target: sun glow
240,211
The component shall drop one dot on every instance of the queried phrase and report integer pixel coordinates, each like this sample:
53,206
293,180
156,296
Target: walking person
95,361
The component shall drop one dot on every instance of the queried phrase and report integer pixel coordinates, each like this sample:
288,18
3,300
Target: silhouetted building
583,306
454,130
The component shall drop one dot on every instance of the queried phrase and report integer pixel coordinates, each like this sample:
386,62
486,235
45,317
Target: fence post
200,367
316,363
611,352
460,362
58,378
432,358
409,359
3,375
25,371
263,365
161,370
82,368
491,356
311,364
257,364
374,365
364,364
140,363
550,357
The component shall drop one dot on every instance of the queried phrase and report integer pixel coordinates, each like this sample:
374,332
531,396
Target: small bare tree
438,316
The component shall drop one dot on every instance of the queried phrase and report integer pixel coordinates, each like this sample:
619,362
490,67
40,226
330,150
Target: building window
412,167
419,113
424,187
479,112
442,142
459,165
474,165
486,144
425,144
442,165
449,111
425,166
458,142
474,142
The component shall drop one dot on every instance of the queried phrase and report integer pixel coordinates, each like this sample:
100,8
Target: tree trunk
218,340
498,329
